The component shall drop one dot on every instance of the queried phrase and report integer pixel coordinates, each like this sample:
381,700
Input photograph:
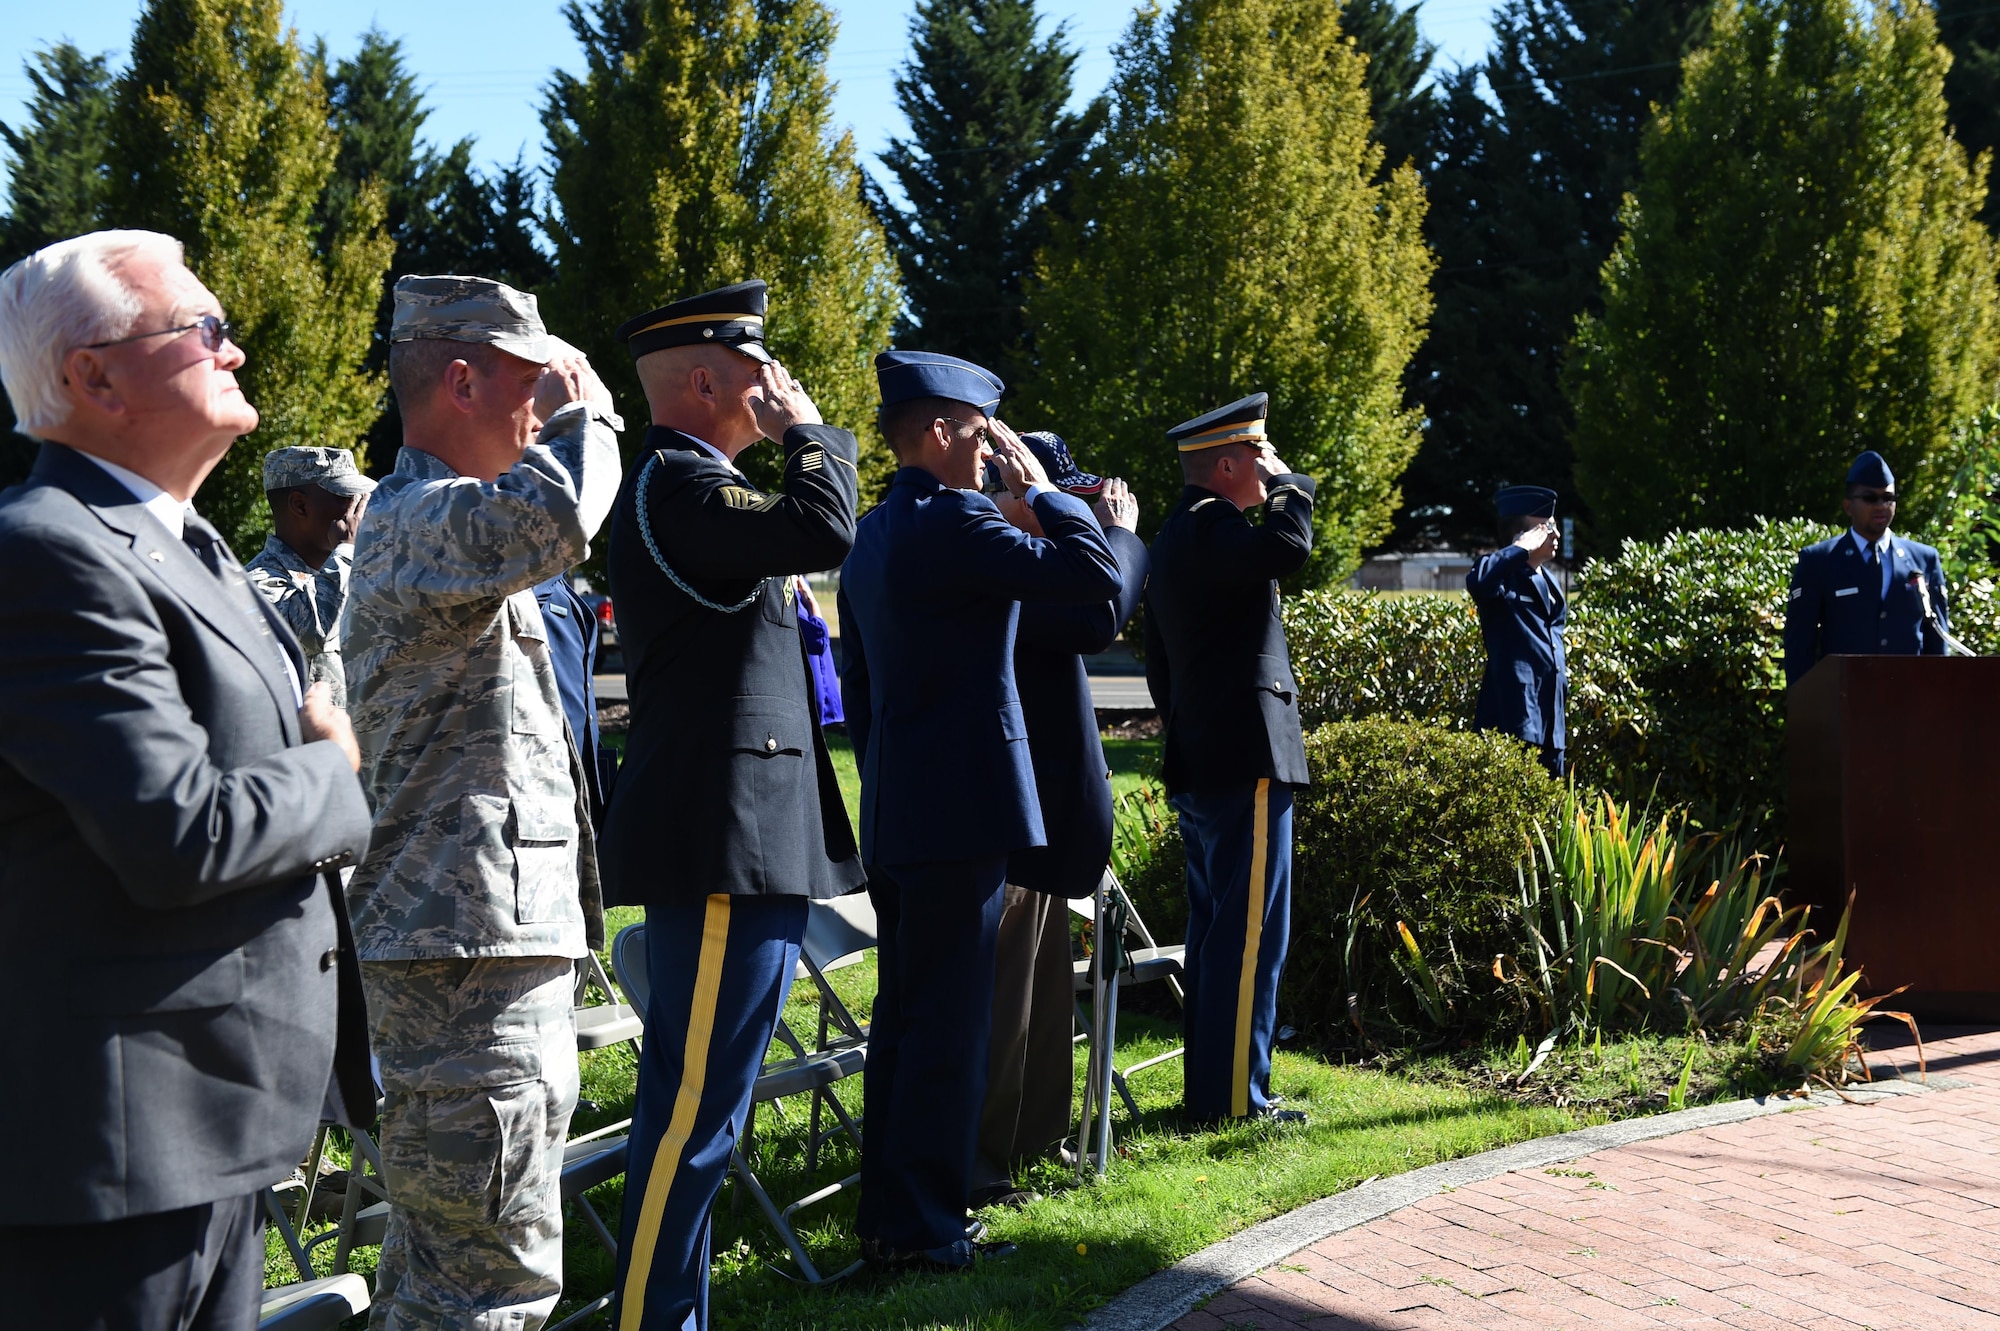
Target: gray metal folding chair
313,1305
814,1070
601,1025
1114,922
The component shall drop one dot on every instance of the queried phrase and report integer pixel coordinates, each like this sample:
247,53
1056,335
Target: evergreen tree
990,146
695,151
1803,275
55,163
55,160
376,110
1400,103
220,136
1231,236
1971,31
1531,152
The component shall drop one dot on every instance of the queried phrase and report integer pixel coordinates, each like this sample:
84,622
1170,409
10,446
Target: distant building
1430,571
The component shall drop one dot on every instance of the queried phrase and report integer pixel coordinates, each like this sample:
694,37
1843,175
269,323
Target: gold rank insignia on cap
1241,422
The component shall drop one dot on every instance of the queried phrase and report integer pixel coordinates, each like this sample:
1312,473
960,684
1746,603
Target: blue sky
483,65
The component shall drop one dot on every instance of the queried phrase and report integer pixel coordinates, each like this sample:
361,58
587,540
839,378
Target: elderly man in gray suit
174,960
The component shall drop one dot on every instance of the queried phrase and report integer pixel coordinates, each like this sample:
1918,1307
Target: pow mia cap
331,469
470,309
904,375
1241,422
731,316
1050,450
1525,501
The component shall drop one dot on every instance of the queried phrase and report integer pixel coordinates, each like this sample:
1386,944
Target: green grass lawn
1172,1189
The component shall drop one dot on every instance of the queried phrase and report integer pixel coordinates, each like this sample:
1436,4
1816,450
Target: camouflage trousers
478,1063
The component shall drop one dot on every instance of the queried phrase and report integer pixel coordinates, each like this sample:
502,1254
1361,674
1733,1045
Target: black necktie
206,545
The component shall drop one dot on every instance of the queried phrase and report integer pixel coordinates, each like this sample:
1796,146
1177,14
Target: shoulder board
737,496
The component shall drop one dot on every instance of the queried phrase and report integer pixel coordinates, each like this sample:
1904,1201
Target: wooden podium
1895,795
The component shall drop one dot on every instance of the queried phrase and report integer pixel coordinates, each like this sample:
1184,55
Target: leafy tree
696,150
1803,275
220,137
1230,236
56,181
1970,29
989,147
1400,103
1530,153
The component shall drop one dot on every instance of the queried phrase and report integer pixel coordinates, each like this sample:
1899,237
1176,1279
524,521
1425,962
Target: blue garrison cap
1050,450
1526,501
906,375
1871,469
1241,422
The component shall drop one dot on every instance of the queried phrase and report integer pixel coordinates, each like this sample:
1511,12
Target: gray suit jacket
173,963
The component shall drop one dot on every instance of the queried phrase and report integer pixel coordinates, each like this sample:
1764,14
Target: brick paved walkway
1878,1215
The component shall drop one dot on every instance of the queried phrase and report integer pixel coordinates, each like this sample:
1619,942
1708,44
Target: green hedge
1359,654
1402,822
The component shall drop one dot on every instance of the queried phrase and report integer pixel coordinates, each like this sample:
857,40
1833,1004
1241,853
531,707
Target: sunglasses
979,432
1872,497
215,330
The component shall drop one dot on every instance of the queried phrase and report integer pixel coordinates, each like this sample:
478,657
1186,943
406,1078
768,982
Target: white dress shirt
172,514
1881,555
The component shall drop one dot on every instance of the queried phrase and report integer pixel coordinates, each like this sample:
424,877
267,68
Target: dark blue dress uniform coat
1216,661
1521,616
727,784
572,631
1836,606
1063,744
929,602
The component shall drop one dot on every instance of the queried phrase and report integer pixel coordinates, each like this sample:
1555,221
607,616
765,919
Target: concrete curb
1165,1297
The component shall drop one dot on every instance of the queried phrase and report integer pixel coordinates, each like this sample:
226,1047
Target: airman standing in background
317,498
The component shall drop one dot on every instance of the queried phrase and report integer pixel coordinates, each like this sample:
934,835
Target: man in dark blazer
174,955
929,601
1866,592
1521,616
727,819
1219,671
1029,1069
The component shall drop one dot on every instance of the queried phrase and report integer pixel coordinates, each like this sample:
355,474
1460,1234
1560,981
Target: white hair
61,297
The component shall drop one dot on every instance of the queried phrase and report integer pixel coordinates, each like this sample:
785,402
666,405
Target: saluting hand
565,379
1115,506
1540,541
780,403
1269,465
1017,464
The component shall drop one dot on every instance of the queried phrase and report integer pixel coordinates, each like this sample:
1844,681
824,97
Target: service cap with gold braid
1241,422
731,316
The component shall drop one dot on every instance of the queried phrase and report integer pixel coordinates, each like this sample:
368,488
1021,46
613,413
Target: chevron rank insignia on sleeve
737,496
1278,501
812,459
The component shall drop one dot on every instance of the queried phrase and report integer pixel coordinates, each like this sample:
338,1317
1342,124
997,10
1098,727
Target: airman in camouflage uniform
310,596
480,889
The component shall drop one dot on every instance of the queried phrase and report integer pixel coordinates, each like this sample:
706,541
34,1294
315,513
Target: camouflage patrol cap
331,469
470,309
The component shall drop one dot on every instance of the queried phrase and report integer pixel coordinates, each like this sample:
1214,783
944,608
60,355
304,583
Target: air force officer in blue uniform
1219,671
929,603
1521,616
1866,592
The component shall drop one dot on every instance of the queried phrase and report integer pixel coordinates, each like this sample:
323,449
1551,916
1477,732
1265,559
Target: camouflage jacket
309,599
482,845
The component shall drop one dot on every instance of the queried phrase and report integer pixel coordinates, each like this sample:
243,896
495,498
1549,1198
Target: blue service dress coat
1521,617
727,784
929,603
1071,779
1216,661
572,631
1836,608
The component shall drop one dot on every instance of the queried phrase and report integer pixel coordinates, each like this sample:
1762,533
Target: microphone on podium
1923,591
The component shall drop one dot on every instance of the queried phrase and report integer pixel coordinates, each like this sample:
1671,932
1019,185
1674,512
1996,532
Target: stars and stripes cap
1241,422
731,316
1050,450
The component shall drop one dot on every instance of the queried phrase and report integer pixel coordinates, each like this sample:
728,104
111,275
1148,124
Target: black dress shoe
950,1259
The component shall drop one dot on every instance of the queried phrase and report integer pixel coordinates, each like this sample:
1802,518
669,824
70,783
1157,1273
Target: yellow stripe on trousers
1253,940
667,1158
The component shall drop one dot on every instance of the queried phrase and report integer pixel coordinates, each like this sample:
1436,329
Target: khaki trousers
478,1059
1030,1071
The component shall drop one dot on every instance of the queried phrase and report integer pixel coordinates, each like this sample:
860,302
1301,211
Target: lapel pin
156,556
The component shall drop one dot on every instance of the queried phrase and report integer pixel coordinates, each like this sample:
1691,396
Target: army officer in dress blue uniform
727,819
1219,671
1866,592
1030,1067
928,605
1521,616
